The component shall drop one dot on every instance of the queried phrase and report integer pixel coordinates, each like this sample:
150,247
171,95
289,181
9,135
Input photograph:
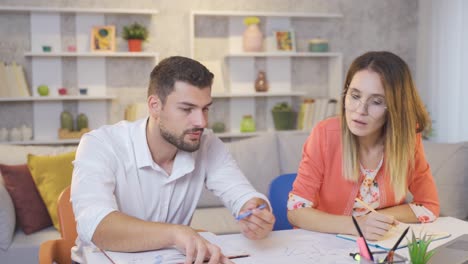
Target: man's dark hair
177,68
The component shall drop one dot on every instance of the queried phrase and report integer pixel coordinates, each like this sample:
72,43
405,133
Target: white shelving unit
239,67
57,98
94,54
45,28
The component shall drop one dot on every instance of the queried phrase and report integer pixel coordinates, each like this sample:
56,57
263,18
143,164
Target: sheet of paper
170,255
293,246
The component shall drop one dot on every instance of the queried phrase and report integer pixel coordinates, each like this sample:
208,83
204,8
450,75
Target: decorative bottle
261,83
247,124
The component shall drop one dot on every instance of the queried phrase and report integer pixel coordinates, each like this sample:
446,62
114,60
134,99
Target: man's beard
178,141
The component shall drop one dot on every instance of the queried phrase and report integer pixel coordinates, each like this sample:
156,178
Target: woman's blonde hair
405,116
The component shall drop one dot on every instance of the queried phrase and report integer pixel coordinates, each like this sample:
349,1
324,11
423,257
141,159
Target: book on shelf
4,89
392,236
216,67
135,111
314,110
21,83
13,81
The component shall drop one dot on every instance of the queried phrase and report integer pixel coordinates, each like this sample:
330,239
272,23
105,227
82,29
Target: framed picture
284,40
103,38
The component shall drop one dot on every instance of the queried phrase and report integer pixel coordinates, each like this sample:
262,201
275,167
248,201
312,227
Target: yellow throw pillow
51,174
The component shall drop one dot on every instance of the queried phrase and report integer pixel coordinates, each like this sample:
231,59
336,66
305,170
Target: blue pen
249,212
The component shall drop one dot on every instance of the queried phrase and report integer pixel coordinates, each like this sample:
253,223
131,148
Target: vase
252,39
284,120
247,124
261,83
134,45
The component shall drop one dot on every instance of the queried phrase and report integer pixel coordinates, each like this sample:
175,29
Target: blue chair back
278,195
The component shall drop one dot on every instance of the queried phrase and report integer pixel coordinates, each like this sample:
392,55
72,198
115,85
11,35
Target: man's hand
196,248
260,223
375,225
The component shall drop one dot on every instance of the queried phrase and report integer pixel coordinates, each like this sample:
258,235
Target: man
136,185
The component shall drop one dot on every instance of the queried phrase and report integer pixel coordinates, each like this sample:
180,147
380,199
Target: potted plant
284,116
417,249
135,34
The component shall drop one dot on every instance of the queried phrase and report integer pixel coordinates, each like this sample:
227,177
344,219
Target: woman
373,152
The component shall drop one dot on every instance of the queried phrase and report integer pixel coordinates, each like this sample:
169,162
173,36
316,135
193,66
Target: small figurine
261,83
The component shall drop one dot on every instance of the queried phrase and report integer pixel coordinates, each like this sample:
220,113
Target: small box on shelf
67,134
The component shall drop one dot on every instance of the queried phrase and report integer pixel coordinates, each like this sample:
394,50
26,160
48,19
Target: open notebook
171,255
392,236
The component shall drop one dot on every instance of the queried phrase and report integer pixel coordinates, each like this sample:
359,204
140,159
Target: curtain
442,66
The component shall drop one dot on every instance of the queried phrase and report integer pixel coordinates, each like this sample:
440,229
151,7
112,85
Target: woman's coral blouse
320,178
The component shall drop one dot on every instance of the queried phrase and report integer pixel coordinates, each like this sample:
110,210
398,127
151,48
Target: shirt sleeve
311,168
422,185
226,180
92,186
296,202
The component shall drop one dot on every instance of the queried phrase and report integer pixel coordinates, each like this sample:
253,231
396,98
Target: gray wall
366,25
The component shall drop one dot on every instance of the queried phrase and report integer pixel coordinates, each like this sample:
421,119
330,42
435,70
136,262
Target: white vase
26,132
252,38
3,134
15,134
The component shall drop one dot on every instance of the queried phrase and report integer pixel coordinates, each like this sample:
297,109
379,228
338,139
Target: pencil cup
379,257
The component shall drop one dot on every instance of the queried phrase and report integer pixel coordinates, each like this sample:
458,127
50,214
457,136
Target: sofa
261,158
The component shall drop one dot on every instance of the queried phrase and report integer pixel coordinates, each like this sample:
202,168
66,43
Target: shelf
115,11
58,98
257,94
93,54
284,54
269,14
254,134
44,142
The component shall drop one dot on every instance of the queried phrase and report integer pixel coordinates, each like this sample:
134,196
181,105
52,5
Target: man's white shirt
114,171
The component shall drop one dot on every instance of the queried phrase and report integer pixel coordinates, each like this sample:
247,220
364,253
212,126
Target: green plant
417,249
283,107
251,20
135,31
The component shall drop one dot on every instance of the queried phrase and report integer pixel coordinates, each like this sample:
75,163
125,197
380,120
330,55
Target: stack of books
313,111
13,81
136,111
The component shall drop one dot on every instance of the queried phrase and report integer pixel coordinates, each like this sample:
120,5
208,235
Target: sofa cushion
31,212
7,218
257,157
290,150
52,174
16,154
25,248
449,166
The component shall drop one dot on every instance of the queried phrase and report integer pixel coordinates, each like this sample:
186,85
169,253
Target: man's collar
184,161
140,143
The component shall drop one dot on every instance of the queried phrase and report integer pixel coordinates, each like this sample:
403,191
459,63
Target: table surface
286,246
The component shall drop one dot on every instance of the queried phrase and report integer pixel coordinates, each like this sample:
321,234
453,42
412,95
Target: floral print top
369,193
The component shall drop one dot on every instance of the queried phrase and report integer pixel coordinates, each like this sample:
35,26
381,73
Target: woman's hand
375,225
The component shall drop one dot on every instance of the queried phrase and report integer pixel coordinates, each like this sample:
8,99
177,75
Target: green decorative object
218,127
318,45
284,117
247,124
417,249
81,122
135,31
66,121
